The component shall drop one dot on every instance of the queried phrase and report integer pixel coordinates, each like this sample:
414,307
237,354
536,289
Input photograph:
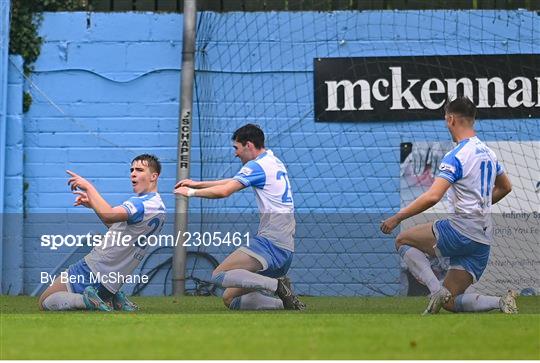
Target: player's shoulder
148,201
251,167
269,161
145,196
264,164
463,150
452,155
473,149
481,148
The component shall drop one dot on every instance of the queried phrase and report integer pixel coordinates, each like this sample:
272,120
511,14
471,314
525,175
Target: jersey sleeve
252,175
135,210
499,168
450,169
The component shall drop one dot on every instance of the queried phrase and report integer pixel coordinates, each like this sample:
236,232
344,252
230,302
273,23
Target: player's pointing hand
78,182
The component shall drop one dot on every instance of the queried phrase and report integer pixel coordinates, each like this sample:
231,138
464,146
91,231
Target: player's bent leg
239,260
55,287
468,260
473,302
421,237
412,246
232,293
57,297
256,268
248,299
256,300
239,270
457,281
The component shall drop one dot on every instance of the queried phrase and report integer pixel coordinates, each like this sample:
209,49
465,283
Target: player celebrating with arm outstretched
140,215
262,265
474,180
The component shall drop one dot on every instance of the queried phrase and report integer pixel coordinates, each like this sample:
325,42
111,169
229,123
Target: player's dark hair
151,160
461,106
251,133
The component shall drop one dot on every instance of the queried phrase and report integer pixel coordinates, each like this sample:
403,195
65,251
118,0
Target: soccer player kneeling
250,271
474,180
140,215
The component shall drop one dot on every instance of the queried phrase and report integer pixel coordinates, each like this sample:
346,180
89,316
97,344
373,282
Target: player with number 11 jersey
474,180
471,167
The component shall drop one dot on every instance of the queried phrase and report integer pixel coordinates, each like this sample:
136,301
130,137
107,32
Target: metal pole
4,65
184,142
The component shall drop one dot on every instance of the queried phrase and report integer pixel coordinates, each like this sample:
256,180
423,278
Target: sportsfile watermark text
109,239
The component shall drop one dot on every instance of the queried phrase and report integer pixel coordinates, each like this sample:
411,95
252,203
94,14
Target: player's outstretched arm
213,192
200,184
502,187
425,201
91,198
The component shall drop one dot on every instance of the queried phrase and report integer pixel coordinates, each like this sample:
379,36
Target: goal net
351,102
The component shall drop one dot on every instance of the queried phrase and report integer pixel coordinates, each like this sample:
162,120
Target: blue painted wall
106,88
12,241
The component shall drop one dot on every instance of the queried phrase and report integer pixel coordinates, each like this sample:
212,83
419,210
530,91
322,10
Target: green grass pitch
332,328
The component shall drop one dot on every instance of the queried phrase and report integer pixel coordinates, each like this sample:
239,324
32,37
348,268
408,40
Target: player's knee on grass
43,297
40,301
450,305
228,297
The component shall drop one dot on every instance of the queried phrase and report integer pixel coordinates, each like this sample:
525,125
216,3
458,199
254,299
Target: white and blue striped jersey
269,179
146,216
471,167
